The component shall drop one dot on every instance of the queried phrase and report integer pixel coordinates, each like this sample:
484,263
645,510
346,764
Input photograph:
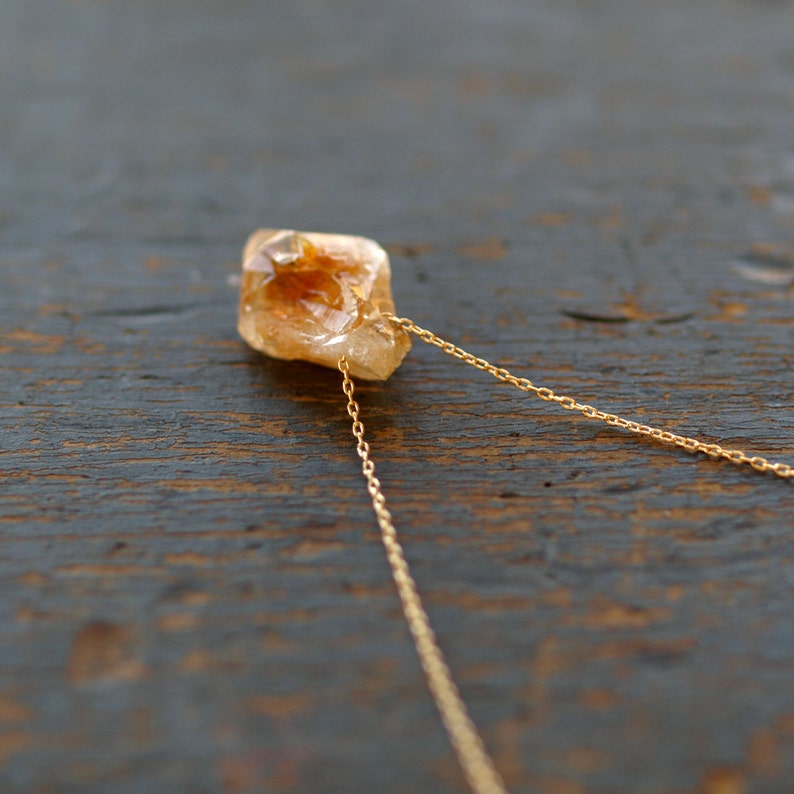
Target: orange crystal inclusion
314,280
317,297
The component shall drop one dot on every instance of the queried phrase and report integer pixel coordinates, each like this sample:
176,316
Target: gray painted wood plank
597,195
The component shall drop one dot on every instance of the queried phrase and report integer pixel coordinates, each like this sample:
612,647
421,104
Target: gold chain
477,766
570,404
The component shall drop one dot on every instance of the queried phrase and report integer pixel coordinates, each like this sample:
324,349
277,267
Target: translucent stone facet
317,297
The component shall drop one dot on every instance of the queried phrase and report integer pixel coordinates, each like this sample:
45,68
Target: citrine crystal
317,297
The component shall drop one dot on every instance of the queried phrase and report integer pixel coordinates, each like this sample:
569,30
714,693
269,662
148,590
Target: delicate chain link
474,760
570,404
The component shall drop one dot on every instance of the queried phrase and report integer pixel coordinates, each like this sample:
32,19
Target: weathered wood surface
194,598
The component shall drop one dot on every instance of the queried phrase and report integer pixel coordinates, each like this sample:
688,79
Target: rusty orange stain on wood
641,646
613,615
490,249
180,621
478,603
250,422
30,615
727,307
195,661
32,579
32,342
191,598
361,590
103,652
765,753
47,382
587,759
89,346
630,308
273,642
105,444
49,309
312,548
759,194
291,618
558,597
230,451
558,785
551,658
599,699
12,710
705,487
45,476
770,249
154,264
724,591
13,743
569,294
785,724
242,773
611,222
678,521
509,753
226,485
191,558
723,780
84,569
279,707
675,592
199,661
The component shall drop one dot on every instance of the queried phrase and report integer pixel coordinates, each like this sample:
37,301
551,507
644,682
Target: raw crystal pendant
317,297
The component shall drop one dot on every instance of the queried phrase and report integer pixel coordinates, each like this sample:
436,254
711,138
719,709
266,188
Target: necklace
327,299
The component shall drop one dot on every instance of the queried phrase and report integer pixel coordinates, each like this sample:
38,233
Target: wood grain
597,195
